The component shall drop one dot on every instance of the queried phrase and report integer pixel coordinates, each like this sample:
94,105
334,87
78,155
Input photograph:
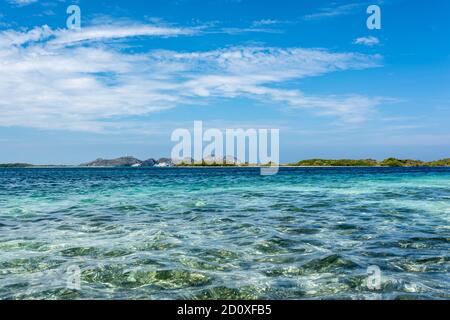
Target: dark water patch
15,286
29,265
126,208
158,246
101,219
169,279
405,296
46,218
319,205
92,229
226,220
357,283
293,209
276,259
198,264
9,291
392,245
388,195
25,245
284,289
401,213
303,230
434,260
347,227
119,277
285,207
218,255
89,201
421,242
249,210
429,193
359,208
274,245
207,209
154,206
80,252
421,265
331,262
226,293
379,253
115,253
292,271
285,218
431,239
109,275
247,226
146,262
52,294
249,194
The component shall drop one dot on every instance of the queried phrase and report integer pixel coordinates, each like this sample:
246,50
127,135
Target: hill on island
128,162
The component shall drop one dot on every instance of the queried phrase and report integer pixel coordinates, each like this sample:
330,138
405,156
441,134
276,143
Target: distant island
132,162
390,162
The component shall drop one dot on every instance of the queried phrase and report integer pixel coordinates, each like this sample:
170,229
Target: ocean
225,233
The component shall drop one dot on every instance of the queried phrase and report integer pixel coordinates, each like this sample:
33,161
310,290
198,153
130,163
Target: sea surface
225,233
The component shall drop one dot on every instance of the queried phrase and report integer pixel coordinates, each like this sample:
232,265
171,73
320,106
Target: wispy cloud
60,79
21,3
334,11
92,33
268,22
233,30
368,41
251,71
98,33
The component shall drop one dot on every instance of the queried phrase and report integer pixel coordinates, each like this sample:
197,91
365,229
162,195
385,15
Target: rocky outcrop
149,163
129,162
119,162
165,162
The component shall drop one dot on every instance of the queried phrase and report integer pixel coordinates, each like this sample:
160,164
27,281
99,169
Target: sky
137,70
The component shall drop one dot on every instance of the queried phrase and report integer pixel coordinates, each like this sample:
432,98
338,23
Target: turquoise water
306,233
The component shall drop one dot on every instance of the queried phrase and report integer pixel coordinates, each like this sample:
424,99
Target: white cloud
251,71
48,80
368,41
17,38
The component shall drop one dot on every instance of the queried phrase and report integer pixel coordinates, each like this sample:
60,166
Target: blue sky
137,70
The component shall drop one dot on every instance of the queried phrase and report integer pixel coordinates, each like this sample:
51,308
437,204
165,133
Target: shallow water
306,233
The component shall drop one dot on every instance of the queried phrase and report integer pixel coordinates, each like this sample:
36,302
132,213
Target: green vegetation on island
336,163
15,165
390,162
208,164
440,163
393,162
